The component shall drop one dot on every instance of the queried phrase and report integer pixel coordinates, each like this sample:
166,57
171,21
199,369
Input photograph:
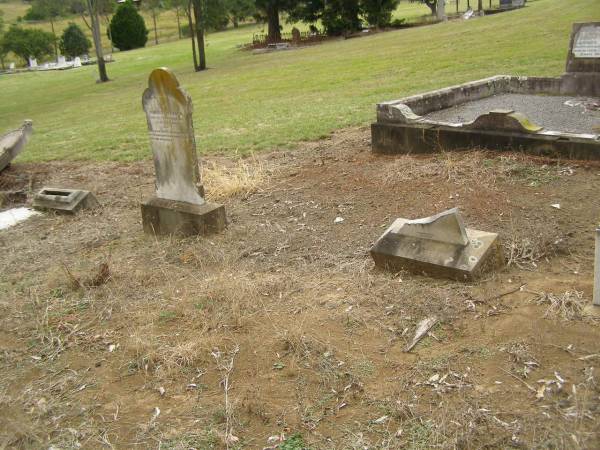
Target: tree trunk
235,22
432,5
468,4
97,41
274,30
457,2
155,31
198,12
178,23
192,35
480,5
55,39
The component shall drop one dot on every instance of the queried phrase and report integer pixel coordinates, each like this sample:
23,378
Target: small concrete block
164,217
438,251
67,201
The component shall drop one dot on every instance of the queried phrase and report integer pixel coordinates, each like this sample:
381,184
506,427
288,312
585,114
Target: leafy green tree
240,10
378,13
28,42
74,42
127,28
337,16
216,14
47,10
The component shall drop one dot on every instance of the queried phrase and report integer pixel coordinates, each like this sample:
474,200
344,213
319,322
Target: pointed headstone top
446,227
169,114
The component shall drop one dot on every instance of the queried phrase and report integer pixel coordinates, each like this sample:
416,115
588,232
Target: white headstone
77,62
61,61
169,115
11,66
33,62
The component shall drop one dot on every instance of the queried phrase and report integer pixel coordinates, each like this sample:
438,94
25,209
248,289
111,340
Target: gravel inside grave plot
577,115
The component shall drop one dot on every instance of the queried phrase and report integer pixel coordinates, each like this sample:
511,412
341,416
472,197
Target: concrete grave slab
68,201
179,206
431,121
13,143
438,246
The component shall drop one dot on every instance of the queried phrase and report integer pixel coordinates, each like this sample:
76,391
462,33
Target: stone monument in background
582,75
179,206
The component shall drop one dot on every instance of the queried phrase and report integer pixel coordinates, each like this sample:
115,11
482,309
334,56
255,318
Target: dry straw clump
243,178
567,306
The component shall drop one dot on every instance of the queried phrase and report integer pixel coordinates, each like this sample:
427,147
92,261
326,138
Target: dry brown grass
566,306
243,177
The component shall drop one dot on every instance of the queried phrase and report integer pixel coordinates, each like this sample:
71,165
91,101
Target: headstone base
161,216
395,252
581,83
67,201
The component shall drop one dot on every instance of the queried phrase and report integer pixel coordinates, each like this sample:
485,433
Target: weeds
567,306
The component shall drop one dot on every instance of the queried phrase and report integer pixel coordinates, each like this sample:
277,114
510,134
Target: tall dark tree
240,10
198,12
269,12
378,13
93,10
337,16
127,28
73,42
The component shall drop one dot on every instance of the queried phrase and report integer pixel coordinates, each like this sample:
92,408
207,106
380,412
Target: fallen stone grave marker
68,201
179,206
438,246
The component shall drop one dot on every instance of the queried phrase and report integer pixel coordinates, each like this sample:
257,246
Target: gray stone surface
68,201
13,143
169,115
438,246
547,111
169,217
179,206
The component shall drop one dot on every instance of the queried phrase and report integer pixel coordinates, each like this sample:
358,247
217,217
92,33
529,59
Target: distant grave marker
179,206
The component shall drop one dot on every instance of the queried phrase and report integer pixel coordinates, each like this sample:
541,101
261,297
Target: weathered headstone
77,62
179,206
11,66
68,201
13,143
33,62
61,61
583,61
440,246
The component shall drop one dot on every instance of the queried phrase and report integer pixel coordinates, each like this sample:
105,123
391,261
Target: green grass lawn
249,102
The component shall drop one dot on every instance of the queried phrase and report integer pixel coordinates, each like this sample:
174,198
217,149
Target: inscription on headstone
169,115
587,42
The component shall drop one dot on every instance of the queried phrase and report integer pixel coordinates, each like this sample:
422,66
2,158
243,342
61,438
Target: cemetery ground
282,324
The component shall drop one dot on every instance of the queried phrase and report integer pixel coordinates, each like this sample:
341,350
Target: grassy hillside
249,102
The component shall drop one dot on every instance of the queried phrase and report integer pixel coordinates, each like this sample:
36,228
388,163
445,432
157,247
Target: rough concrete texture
13,143
392,138
549,112
169,217
426,254
67,201
584,48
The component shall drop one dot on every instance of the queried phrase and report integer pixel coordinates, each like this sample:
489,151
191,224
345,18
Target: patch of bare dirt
282,325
